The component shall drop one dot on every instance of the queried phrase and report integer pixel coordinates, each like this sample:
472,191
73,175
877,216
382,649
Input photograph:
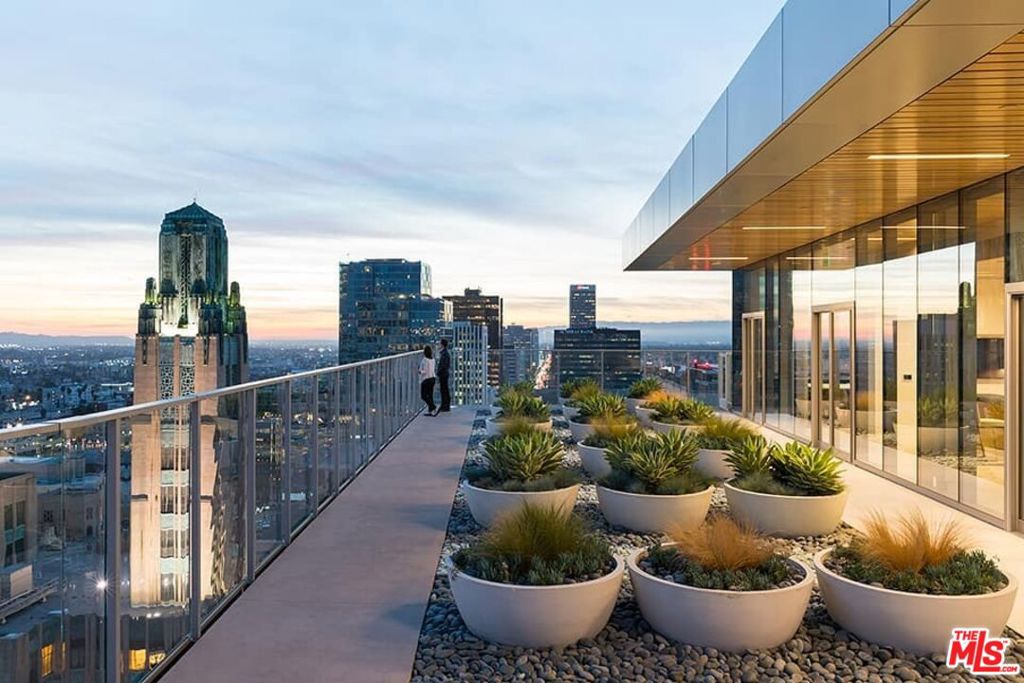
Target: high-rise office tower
606,354
191,338
474,307
385,307
520,356
582,307
469,362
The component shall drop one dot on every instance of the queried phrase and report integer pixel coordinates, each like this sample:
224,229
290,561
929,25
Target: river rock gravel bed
629,650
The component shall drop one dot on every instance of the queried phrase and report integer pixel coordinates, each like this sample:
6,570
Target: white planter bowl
664,427
535,616
633,403
786,515
912,622
494,427
734,621
654,514
569,412
580,431
644,415
594,462
487,505
711,463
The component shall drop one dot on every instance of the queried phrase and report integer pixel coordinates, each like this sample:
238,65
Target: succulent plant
751,456
723,435
809,469
525,388
654,461
601,405
523,457
681,410
580,385
642,388
515,404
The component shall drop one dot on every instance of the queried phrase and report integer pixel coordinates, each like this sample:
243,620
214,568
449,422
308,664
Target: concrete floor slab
345,601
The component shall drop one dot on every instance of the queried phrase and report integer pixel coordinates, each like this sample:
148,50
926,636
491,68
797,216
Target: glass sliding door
938,338
868,398
1012,427
833,378
753,372
899,319
983,354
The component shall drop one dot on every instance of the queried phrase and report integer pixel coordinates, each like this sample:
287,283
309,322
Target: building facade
874,227
582,307
520,356
610,356
475,307
469,343
192,338
385,307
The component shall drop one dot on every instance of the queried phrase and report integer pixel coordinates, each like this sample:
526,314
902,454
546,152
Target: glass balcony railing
697,373
127,531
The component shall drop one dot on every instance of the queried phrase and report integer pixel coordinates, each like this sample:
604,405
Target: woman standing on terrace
427,379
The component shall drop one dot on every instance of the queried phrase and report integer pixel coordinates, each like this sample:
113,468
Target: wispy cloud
506,144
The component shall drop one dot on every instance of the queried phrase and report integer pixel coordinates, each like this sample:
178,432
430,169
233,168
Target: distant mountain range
696,332
40,340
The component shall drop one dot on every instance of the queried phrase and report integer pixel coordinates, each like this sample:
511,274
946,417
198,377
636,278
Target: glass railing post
336,412
286,465
314,447
112,540
249,462
195,519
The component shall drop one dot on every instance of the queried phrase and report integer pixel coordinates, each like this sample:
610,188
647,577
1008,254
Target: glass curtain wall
926,287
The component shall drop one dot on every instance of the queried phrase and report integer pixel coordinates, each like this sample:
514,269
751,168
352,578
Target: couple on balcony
428,377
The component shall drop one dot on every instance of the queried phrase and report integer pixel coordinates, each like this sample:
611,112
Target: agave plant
584,389
600,405
642,388
525,388
661,463
674,410
611,428
523,457
724,435
808,469
751,457
515,404
567,387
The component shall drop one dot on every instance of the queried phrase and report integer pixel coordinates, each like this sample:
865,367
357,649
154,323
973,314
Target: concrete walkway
345,601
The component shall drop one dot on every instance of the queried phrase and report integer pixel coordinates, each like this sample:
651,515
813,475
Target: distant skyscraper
520,356
385,307
608,355
582,307
474,307
191,338
469,362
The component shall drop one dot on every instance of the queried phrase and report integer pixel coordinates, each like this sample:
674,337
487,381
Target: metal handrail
81,421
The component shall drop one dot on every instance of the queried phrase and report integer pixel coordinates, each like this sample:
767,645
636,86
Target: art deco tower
191,339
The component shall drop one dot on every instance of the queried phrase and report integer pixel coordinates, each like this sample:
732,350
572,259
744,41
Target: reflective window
938,360
982,460
869,378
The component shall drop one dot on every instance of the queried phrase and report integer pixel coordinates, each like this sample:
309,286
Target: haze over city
509,155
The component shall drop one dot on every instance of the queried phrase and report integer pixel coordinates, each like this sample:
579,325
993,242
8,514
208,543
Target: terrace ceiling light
933,157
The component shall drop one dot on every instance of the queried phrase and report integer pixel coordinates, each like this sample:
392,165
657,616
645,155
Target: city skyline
297,158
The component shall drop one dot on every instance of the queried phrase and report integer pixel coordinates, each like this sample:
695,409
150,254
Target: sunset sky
506,144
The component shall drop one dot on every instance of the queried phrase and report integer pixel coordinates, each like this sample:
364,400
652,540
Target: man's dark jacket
444,361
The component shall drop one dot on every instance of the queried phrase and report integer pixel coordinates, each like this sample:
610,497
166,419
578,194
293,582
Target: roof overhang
946,79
